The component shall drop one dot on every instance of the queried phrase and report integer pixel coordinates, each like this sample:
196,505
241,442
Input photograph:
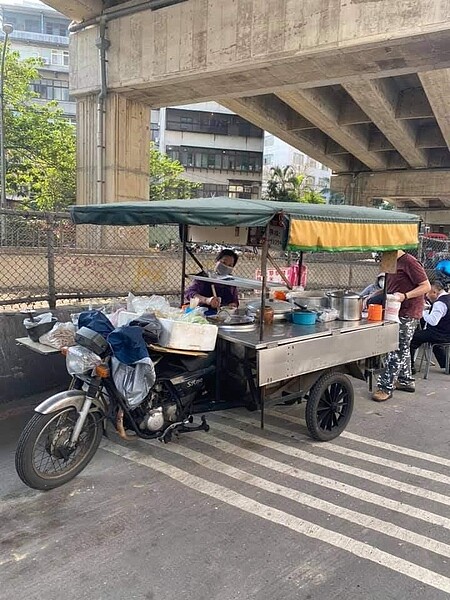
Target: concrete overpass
360,85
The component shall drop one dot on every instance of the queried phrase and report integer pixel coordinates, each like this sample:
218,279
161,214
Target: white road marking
384,527
327,482
439,460
326,462
269,513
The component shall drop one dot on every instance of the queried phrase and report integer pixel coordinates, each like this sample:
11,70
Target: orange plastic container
375,312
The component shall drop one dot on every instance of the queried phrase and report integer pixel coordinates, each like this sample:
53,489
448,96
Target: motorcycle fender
65,399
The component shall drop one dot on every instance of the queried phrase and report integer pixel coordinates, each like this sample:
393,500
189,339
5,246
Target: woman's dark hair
440,285
228,252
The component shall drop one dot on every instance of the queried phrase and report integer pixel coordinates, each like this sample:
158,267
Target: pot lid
279,306
344,294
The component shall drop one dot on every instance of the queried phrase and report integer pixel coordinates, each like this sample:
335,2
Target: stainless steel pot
310,300
348,304
281,310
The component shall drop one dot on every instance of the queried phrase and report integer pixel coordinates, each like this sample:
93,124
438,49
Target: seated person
373,293
436,323
215,295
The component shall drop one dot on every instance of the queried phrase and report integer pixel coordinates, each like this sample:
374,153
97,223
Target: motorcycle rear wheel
43,459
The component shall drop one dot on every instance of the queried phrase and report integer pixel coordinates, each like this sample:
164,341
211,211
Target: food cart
284,362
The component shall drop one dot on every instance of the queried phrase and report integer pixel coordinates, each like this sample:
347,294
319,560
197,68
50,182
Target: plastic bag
62,334
392,308
328,314
144,304
39,325
135,381
151,327
194,316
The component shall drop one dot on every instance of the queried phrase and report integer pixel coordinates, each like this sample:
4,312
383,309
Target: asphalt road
238,513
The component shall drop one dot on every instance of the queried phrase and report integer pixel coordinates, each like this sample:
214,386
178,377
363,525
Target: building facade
41,32
218,149
279,154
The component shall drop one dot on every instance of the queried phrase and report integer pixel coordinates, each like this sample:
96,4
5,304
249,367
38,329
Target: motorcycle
66,430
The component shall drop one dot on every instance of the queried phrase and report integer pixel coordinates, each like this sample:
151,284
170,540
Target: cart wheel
329,406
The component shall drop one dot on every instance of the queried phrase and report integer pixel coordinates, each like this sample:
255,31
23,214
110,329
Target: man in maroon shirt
410,283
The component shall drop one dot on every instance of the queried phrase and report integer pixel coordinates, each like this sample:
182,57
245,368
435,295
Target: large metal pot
310,300
281,310
348,304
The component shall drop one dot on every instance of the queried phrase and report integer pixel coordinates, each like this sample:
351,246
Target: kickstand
183,427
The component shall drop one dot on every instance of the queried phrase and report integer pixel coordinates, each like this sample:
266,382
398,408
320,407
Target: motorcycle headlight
80,360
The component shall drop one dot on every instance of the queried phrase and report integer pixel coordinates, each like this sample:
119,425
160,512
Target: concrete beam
413,103
322,107
379,143
352,114
378,99
424,183
185,52
271,114
437,87
422,202
430,136
77,10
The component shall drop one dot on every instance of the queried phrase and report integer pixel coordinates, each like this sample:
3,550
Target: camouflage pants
398,363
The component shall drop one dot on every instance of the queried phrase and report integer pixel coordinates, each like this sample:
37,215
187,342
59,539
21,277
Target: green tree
166,181
285,185
39,141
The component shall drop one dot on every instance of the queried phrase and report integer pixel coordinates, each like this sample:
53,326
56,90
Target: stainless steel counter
290,350
285,332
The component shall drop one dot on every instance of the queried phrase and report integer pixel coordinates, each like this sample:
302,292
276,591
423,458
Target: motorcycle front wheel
44,457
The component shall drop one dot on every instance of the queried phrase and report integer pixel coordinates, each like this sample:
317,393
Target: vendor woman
215,295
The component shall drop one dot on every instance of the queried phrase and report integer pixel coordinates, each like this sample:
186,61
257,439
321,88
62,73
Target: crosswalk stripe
391,464
333,484
326,462
294,523
379,525
439,460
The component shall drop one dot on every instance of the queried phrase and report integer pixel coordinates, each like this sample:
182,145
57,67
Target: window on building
154,131
311,163
268,159
216,159
52,89
240,191
324,182
310,181
56,27
211,190
298,159
23,21
212,123
60,57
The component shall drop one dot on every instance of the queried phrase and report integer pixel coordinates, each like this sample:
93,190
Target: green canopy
224,211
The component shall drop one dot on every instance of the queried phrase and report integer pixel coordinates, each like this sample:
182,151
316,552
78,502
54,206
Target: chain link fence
46,260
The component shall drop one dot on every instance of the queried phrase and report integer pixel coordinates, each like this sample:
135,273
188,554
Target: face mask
222,269
381,283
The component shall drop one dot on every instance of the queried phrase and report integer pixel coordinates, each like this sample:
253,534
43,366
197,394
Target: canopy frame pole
195,259
183,263
264,255
300,267
279,271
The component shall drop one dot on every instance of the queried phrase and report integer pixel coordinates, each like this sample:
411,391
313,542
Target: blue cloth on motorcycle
443,266
128,344
97,321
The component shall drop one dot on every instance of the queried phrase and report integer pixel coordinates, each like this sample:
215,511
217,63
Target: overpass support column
124,152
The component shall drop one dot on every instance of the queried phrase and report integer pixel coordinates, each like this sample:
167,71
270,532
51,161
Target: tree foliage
285,185
39,141
166,181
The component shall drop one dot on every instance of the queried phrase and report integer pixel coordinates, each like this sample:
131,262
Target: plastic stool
428,353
